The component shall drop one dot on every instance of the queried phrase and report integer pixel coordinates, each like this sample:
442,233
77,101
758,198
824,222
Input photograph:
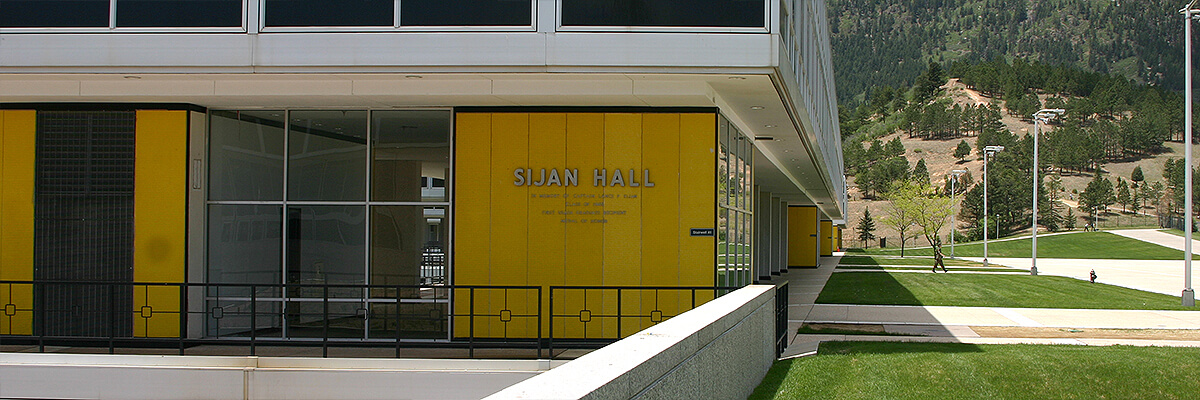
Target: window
734,206
664,13
383,13
466,13
329,12
359,197
129,13
179,13
54,13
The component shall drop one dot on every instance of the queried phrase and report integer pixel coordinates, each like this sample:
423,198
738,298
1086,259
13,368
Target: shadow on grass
866,288
770,385
895,348
858,260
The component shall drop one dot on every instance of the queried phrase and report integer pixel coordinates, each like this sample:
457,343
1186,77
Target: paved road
1160,238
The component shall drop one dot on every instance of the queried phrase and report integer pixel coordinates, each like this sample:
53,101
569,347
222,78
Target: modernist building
311,163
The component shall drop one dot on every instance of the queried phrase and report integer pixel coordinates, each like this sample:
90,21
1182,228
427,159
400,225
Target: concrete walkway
997,316
1158,276
953,324
1160,238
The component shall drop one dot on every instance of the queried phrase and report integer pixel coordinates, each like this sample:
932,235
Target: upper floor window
224,14
129,13
412,13
179,13
664,13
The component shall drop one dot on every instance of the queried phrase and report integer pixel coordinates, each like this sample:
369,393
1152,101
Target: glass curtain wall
735,213
315,204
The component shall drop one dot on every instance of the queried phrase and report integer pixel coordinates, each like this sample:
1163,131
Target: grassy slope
980,290
861,370
1089,245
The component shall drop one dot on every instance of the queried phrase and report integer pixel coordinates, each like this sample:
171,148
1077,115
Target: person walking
937,256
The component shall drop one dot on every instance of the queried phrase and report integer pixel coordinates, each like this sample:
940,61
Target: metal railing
188,314
781,318
467,317
605,314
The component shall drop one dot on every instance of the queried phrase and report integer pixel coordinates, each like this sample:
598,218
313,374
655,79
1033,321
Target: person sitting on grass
937,256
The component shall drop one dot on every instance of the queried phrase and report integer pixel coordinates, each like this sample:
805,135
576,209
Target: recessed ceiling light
768,126
737,78
756,107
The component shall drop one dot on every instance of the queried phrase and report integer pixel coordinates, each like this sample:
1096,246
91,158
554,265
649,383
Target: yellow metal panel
547,152
509,219
472,209
17,138
826,238
622,232
660,212
697,198
802,236
159,218
697,202
584,251
532,237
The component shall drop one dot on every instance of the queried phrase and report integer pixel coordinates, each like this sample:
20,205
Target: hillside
939,160
880,43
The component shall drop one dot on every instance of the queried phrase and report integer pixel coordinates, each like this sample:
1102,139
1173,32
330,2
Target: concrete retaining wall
720,350
201,377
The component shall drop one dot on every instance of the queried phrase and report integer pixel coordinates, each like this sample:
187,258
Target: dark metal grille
83,221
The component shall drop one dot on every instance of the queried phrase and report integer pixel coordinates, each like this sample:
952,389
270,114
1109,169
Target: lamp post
953,180
1039,118
987,153
1189,13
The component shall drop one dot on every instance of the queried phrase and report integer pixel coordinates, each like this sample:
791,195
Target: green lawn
881,370
883,260
1098,245
982,290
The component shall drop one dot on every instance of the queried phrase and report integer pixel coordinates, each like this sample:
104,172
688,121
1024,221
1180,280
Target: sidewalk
1158,276
1160,238
996,316
953,324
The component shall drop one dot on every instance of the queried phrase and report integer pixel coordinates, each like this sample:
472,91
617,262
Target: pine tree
1137,175
894,148
866,228
1123,195
920,172
1097,196
962,151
